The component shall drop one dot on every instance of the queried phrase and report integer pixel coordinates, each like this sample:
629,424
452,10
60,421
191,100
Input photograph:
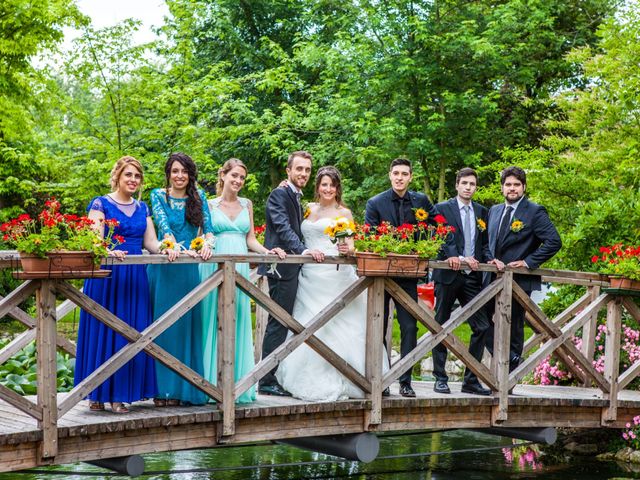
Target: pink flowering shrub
631,433
526,457
552,371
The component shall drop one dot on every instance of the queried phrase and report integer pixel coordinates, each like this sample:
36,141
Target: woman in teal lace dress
233,227
181,213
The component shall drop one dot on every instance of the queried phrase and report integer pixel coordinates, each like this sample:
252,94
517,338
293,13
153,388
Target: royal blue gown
169,284
124,293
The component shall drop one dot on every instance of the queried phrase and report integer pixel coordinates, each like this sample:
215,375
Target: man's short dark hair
298,153
401,161
466,172
513,172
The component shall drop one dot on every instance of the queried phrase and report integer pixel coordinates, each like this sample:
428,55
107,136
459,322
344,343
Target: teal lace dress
168,285
231,237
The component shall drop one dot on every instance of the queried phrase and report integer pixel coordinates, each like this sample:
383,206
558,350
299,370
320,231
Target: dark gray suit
451,285
283,220
382,208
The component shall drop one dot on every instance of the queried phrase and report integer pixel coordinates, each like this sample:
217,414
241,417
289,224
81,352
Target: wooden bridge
55,428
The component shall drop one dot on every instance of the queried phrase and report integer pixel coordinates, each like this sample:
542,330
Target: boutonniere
516,225
421,214
482,225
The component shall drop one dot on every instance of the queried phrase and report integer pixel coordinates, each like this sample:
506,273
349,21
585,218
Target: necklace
322,208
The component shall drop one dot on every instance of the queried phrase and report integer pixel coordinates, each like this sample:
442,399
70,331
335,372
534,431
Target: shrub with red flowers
53,231
421,239
618,260
259,231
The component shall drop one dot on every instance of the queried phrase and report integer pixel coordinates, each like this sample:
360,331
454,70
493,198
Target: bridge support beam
363,447
547,435
132,465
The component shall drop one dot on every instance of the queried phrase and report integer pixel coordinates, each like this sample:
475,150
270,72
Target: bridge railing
550,336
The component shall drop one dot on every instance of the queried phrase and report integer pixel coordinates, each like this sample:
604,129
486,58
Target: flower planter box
61,265
392,265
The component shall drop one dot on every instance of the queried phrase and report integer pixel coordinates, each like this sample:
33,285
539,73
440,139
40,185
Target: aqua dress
231,237
125,293
169,284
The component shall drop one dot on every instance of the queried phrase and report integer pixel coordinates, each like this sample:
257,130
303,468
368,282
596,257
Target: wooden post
226,346
589,332
47,369
612,358
373,366
501,346
262,316
388,334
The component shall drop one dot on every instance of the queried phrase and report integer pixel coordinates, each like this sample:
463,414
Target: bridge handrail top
9,259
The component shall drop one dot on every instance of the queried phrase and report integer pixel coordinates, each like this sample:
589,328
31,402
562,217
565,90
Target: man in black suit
397,206
521,234
469,243
283,219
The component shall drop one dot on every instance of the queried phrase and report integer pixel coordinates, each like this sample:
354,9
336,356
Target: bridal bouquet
340,229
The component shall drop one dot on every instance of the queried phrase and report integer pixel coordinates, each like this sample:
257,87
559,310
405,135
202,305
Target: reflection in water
452,455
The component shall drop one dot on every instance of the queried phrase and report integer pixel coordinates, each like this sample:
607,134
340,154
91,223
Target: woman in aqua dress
232,218
124,293
181,214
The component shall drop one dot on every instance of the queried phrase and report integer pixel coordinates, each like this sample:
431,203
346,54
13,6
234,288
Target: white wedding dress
303,372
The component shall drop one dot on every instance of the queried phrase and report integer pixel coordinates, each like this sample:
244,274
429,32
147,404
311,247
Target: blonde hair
119,166
226,168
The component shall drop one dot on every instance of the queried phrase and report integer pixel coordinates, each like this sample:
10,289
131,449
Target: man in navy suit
521,234
469,243
283,219
397,206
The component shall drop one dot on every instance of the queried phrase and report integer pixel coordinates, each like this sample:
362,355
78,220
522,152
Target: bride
305,373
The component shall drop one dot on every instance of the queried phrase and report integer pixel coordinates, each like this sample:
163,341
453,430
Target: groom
397,206
283,218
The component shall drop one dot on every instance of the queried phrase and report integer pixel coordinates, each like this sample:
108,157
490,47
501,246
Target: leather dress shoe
475,388
406,390
275,389
386,392
441,387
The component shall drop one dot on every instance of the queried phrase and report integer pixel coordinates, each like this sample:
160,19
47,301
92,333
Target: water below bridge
450,455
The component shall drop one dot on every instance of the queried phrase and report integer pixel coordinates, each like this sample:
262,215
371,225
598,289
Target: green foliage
19,372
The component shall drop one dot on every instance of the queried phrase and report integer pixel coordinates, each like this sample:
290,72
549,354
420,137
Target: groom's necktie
299,202
502,231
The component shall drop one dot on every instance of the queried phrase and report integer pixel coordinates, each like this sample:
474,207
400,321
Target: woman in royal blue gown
125,293
181,213
233,227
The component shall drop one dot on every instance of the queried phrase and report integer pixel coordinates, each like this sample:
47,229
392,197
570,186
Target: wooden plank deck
85,435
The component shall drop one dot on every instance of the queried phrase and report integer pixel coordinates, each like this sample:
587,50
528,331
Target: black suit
385,207
283,220
451,285
536,243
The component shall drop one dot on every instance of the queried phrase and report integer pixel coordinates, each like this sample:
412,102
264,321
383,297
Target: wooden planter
621,283
392,265
61,265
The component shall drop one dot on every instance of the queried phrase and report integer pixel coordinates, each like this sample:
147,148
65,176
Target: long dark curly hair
193,211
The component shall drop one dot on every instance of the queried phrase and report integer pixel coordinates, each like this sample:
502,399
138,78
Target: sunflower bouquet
340,229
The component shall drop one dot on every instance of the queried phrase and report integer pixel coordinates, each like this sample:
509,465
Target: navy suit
382,208
535,243
283,220
451,285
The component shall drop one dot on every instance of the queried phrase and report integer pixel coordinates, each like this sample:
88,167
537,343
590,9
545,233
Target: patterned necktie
504,226
468,225
299,201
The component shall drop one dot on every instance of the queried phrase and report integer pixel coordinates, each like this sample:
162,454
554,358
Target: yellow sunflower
197,244
421,214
